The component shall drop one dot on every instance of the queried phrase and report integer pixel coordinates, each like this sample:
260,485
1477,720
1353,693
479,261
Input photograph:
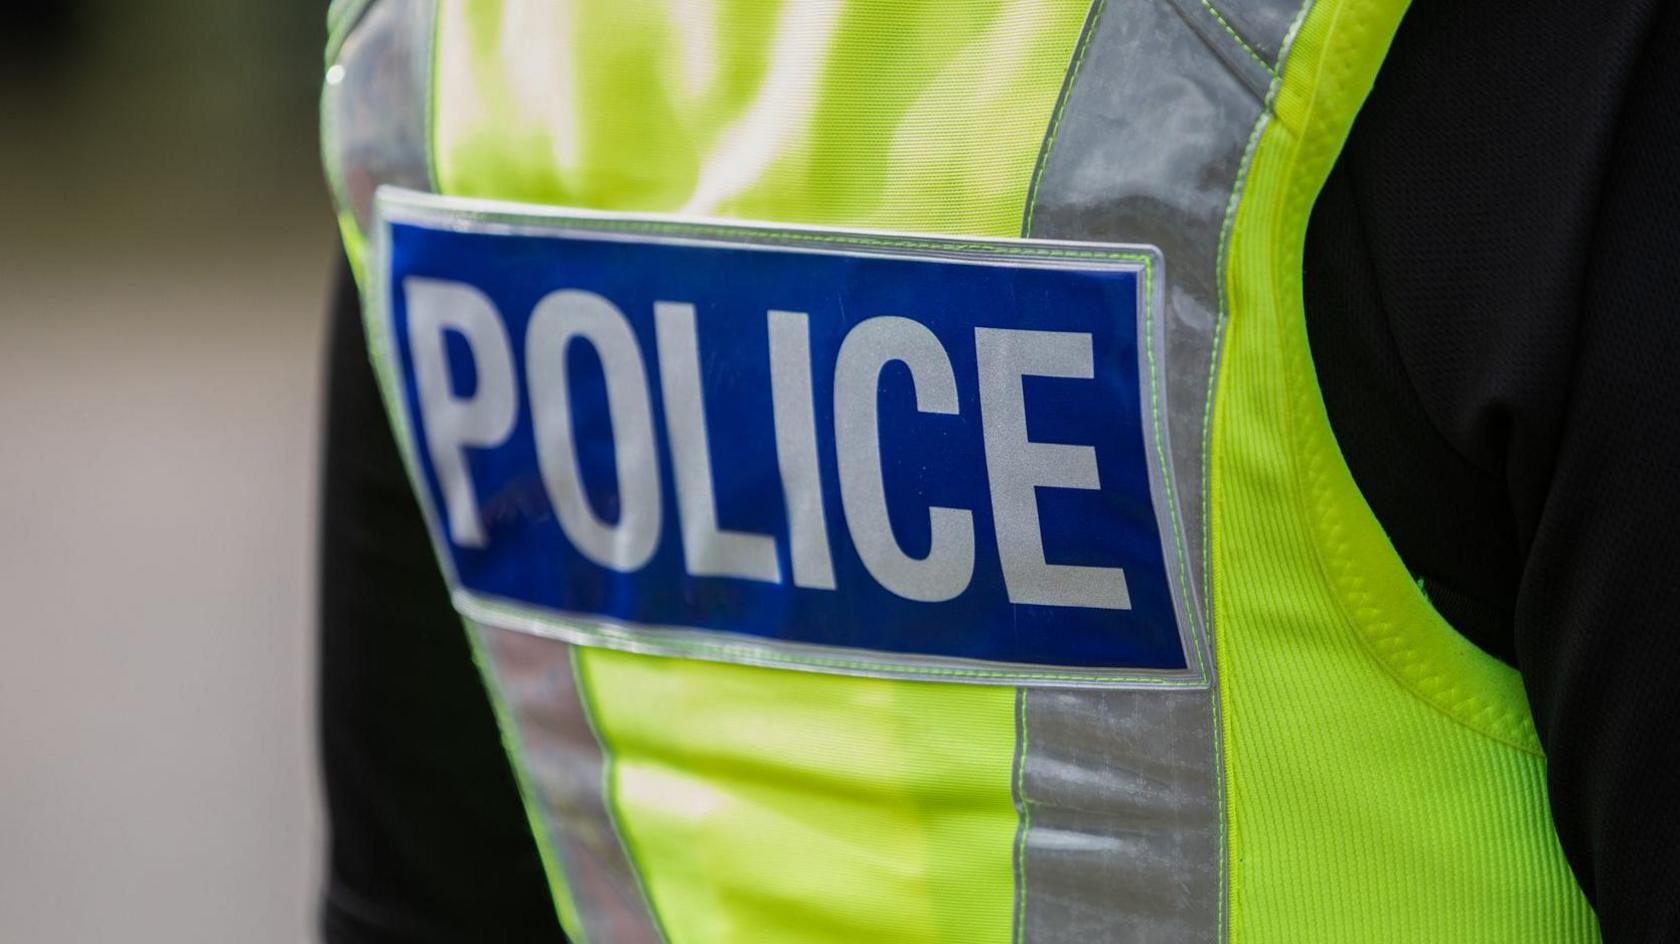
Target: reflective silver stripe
1263,26
564,769
1121,791
1147,148
1120,811
1236,55
375,126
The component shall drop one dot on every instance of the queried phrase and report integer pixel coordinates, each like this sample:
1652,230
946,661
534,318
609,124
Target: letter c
945,572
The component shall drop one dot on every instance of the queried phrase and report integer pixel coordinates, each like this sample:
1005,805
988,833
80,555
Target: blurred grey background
164,251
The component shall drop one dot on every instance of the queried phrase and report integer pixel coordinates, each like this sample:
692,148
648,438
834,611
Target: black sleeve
428,839
1491,276
1598,612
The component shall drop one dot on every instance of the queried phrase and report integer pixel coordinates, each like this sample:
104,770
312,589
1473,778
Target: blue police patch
860,452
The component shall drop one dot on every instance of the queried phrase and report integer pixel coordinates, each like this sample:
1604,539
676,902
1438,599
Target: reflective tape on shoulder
375,124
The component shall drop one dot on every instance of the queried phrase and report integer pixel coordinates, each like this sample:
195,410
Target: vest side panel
1383,776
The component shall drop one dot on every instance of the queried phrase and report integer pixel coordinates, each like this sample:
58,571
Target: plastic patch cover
854,452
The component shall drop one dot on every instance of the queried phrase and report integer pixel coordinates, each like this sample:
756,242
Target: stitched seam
1219,328
560,223
1207,474
1270,69
1181,552
1222,281
1025,827
756,654
1384,641
839,239
1481,475
1207,494
609,791
750,654
1380,637
1061,109
513,747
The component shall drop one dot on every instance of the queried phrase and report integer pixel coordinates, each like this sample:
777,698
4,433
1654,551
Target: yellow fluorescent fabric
762,805
767,805
925,117
1384,779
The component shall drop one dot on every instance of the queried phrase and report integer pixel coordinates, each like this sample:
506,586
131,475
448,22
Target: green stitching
1061,109
736,653
1240,42
1021,695
756,655
1207,482
609,788
1207,439
1181,552
1219,330
508,728
739,234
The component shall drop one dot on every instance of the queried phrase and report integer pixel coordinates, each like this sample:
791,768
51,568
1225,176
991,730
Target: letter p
453,422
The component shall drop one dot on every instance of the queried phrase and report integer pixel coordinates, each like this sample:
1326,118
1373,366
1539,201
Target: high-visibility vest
733,731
